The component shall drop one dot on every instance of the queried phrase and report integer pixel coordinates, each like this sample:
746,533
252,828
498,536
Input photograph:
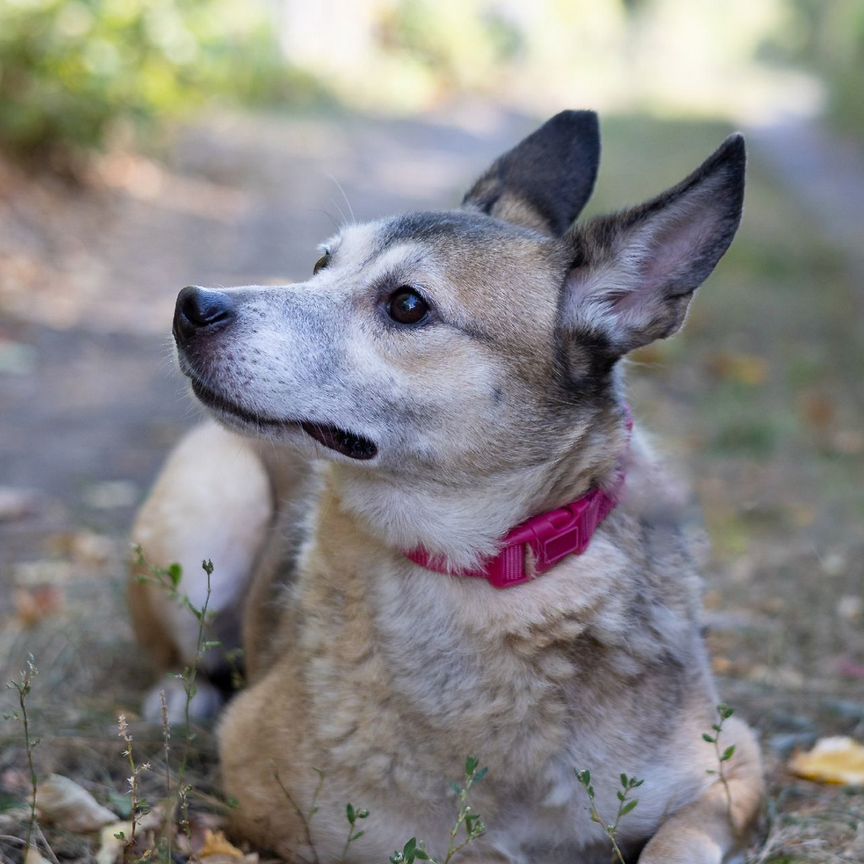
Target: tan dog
457,373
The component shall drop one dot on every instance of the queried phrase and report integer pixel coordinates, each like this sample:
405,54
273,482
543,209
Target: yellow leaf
215,845
110,845
833,760
748,369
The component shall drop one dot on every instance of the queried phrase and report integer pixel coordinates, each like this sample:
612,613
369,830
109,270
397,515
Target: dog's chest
406,679
401,651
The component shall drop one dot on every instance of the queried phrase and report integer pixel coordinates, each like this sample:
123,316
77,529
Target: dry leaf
818,410
110,845
746,369
200,826
33,605
833,760
218,850
83,547
216,844
34,856
69,806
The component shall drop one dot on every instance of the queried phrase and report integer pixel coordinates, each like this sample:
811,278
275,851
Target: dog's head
471,342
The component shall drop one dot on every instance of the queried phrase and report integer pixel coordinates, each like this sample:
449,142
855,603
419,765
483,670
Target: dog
440,534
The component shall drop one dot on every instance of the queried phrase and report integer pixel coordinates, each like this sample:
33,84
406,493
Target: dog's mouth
343,441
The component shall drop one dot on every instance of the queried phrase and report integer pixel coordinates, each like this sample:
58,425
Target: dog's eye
407,307
321,263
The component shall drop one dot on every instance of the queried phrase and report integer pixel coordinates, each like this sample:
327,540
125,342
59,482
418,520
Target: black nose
200,309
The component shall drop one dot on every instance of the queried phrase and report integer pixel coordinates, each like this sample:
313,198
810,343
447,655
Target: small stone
785,743
111,495
16,503
846,708
849,607
834,564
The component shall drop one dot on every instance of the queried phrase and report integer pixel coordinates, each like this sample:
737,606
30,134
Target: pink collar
551,537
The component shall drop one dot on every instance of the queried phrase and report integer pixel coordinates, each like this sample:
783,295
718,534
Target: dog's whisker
345,198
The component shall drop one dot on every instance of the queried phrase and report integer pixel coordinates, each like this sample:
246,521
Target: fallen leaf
66,804
83,547
215,844
837,760
200,826
748,369
818,410
722,665
34,856
34,605
110,845
218,850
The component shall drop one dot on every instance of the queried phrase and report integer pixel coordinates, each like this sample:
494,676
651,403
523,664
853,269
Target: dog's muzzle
200,310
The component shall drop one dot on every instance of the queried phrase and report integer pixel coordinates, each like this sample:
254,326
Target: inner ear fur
544,182
634,273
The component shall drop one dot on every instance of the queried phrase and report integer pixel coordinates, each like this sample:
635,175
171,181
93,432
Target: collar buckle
551,537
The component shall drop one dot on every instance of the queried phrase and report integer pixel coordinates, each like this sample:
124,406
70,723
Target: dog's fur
505,401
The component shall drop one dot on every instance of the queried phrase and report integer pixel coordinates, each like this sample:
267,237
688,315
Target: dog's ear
544,182
634,273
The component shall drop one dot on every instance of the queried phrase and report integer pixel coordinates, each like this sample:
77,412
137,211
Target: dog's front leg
711,830
212,500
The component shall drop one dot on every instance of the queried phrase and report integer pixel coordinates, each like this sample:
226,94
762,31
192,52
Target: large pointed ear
634,273
544,182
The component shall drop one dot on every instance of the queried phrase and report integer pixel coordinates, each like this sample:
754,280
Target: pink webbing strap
550,536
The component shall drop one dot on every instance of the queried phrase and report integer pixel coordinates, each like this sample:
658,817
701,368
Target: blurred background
150,144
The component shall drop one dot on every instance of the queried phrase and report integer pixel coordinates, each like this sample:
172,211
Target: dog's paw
203,706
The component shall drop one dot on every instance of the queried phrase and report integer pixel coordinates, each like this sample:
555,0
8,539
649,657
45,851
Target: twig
474,826
190,673
352,815
413,851
47,845
169,579
23,685
625,805
135,770
166,749
724,712
307,830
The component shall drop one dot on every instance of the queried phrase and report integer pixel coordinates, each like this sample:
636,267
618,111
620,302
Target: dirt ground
760,403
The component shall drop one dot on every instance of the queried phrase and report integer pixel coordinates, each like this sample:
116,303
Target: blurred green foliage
828,37
461,44
70,70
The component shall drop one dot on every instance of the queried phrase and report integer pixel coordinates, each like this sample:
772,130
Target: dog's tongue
346,443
